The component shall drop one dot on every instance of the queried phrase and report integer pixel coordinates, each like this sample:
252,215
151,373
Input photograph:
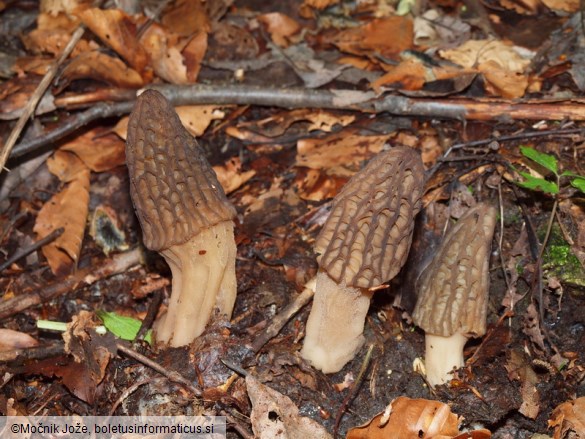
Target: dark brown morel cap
453,290
174,189
366,239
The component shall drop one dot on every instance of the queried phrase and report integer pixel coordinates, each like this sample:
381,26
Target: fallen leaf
342,149
118,31
562,5
280,27
372,38
519,368
275,416
230,174
569,417
196,118
410,418
67,209
98,149
101,67
165,54
10,340
186,17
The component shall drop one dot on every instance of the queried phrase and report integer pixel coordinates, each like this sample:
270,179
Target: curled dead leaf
569,417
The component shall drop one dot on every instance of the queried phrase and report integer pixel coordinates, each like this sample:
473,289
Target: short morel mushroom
453,293
364,242
185,216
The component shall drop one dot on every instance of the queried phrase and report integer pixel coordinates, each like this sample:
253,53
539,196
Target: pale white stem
334,329
204,279
442,355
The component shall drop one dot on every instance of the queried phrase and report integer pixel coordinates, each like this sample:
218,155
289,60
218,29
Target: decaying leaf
196,118
275,416
98,149
10,339
414,418
372,38
230,174
117,30
280,26
339,150
67,209
569,417
520,369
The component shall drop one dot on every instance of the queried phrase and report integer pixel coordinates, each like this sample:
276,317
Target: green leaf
534,183
121,326
579,183
545,160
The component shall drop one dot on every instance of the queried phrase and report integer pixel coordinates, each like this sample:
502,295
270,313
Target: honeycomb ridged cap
175,191
367,236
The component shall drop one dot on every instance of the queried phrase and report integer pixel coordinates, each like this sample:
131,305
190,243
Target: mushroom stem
335,325
442,355
204,279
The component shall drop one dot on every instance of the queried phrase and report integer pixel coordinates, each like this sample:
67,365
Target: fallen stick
86,276
366,101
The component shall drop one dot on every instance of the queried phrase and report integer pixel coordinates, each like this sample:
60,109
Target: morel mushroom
185,216
364,242
453,293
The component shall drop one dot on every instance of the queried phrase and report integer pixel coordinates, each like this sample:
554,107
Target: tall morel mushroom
364,242
185,216
453,294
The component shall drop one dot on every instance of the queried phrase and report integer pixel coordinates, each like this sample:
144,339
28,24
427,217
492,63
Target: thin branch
284,316
86,276
37,95
33,247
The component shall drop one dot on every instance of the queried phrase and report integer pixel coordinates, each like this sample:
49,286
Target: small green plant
550,163
121,326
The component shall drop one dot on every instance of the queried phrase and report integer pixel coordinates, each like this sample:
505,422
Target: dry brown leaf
519,368
55,7
186,17
193,54
562,5
117,30
277,124
10,340
476,52
65,166
500,82
99,150
196,118
280,27
569,417
524,7
67,209
410,418
101,67
52,35
410,74
373,37
343,149
317,185
275,416
165,55
230,175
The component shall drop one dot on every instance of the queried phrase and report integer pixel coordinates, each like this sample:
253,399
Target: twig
284,316
236,425
354,390
172,375
34,353
86,276
33,247
37,95
129,391
337,99
150,316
